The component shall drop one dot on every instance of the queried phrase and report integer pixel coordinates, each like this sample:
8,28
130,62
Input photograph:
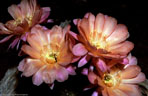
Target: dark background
133,15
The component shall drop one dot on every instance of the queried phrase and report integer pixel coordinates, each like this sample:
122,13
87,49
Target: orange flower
101,36
50,56
118,81
26,15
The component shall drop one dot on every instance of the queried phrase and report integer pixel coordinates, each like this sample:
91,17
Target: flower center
109,80
48,55
99,43
29,20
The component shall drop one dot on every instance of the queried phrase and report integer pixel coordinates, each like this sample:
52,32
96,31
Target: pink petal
132,60
102,65
49,74
95,93
6,39
71,70
45,13
14,11
92,77
50,21
37,78
75,21
61,74
79,50
125,61
85,71
75,59
74,35
31,66
21,66
4,30
140,78
84,60
15,41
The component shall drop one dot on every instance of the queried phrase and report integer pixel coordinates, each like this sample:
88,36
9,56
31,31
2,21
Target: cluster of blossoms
101,44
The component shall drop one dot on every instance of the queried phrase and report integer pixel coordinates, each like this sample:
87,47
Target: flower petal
102,65
15,11
130,89
140,78
92,77
130,72
61,74
45,14
31,66
6,39
30,51
79,50
119,35
122,48
84,60
95,93
71,70
109,26
37,78
49,74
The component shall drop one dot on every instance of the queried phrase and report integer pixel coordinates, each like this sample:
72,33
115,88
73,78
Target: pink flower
118,81
50,56
101,36
26,15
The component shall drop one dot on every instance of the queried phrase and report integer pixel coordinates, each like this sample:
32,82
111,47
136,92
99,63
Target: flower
118,81
50,56
26,15
101,36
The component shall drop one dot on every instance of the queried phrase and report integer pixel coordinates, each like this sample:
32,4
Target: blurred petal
4,30
45,13
74,35
6,39
61,74
85,71
31,66
102,65
15,42
14,11
84,60
92,77
49,74
71,70
95,93
37,78
79,50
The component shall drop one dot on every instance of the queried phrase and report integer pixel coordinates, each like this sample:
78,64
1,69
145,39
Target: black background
132,14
